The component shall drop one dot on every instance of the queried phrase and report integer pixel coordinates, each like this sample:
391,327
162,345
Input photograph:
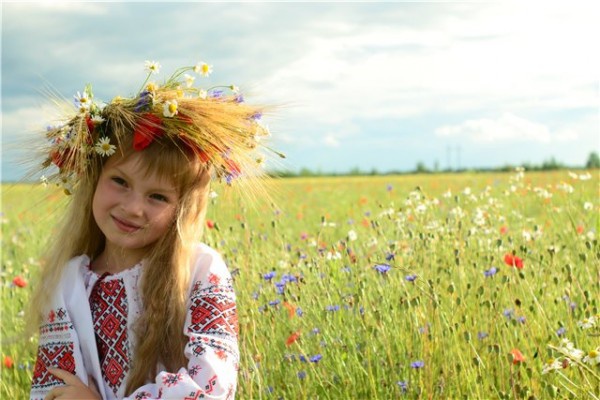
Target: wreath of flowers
216,124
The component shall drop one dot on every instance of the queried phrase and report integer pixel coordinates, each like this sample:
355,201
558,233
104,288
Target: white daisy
352,236
189,80
82,99
97,119
170,108
104,148
202,93
551,365
593,357
203,69
152,67
587,323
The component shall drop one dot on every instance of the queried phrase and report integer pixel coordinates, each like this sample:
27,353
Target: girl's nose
133,204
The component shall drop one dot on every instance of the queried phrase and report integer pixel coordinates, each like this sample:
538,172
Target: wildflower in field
411,278
587,323
503,230
551,365
403,386
291,309
569,349
513,261
580,229
490,272
19,282
316,331
593,357
561,331
8,362
299,311
417,364
508,313
292,338
588,206
522,319
482,335
269,275
333,308
274,302
389,256
352,236
210,223
517,356
316,358
382,268
203,69
389,188
301,374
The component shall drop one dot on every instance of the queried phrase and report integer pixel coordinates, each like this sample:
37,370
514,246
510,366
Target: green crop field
466,286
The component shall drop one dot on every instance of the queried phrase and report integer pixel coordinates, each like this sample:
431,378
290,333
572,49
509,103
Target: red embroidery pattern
54,354
213,312
108,302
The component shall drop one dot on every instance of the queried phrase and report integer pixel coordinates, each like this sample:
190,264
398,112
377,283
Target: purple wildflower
316,358
332,308
490,272
301,374
389,256
274,302
269,276
508,313
411,278
561,331
382,268
482,335
299,312
389,188
403,386
417,364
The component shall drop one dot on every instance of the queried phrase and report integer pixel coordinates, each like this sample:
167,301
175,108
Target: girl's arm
212,349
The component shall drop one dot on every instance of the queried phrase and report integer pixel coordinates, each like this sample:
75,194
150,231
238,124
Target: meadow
465,286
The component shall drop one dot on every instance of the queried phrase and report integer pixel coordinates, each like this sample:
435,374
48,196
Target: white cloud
331,141
506,128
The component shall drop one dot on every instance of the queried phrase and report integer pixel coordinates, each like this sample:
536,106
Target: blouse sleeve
212,329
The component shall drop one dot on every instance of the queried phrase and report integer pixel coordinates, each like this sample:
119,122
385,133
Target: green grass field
383,287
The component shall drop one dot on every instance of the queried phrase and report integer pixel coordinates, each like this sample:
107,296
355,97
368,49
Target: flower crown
215,124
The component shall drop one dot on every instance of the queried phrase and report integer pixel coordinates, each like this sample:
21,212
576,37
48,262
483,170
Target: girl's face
133,208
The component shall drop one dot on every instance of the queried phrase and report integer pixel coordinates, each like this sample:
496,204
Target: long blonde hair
166,277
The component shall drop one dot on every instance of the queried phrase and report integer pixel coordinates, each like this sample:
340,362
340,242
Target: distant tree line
551,164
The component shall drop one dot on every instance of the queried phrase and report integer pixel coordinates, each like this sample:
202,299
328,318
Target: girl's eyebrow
168,190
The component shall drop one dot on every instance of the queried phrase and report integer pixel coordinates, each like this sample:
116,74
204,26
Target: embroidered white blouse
88,330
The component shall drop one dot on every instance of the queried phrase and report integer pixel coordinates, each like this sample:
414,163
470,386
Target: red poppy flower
147,129
20,282
517,356
503,229
513,261
291,309
210,224
8,362
580,229
89,123
292,338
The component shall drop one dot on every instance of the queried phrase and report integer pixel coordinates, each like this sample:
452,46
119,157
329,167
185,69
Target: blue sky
362,85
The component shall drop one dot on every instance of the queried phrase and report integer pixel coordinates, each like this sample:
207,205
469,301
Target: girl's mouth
125,226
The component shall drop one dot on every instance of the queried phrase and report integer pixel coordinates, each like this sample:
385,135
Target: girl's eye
119,181
159,197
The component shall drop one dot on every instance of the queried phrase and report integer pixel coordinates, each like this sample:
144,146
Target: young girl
130,304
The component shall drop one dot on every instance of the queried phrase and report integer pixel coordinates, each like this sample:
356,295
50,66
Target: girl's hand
74,388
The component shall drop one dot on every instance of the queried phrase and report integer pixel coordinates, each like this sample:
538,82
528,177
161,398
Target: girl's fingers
67,377
56,392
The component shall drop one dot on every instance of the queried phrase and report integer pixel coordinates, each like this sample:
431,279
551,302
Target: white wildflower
551,365
588,206
104,148
152,67
593,357
352,236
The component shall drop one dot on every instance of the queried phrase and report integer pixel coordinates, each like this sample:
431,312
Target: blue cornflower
255,295
389,256
215,94
522,320
239,98
280,287
417,364
332,308
411,278
508,313
403,386
490,272
301,374
382,268
316,358
315,331
302,358
274,302
561,331
389,188
288,278
268,276
482,335
256,116
299,312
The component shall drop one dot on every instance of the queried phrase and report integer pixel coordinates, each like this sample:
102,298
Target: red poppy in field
8,362
292,338
291,309
210,224
20,282
517,356
513,261
580,229
503,229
